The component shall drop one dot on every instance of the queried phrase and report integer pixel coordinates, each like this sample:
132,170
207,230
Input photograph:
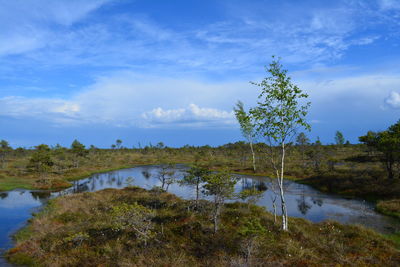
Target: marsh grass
80,230
389,207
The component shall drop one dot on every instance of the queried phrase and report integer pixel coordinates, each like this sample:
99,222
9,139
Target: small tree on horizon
41,161
339,138
79,151
302,141
5,149
118,143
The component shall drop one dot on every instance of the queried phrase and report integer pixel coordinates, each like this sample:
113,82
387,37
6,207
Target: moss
136,227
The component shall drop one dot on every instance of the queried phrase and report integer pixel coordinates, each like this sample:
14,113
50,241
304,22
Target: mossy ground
81,230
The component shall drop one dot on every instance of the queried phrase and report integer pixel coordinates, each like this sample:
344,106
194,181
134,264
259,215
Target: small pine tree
221,186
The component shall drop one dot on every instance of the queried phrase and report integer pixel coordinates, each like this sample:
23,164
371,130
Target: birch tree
279,114
247,128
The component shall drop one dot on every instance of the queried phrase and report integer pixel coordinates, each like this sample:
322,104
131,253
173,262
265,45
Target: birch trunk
254,157
281,191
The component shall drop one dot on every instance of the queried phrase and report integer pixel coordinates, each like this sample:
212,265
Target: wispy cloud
389,4
58,111
303,35
29,25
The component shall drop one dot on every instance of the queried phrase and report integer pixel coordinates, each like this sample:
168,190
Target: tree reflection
303,205
146,174
41,195
253,184
317,201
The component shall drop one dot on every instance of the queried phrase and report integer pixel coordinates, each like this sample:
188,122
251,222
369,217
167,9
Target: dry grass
389,207
79,230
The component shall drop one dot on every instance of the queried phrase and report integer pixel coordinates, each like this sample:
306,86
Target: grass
10,183
395,238
137,227
389,207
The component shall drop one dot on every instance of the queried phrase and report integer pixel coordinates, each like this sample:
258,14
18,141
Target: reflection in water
302,201
248,183
146,174
42,196
317,201
303,205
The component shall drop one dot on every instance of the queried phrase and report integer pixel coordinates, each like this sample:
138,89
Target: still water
302,201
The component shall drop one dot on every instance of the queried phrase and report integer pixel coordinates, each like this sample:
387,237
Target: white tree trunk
281,190
254,157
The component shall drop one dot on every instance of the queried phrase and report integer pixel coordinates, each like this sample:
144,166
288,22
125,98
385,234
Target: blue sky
171,71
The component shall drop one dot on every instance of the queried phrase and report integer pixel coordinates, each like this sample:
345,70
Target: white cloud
192,116
126,99
122,98
58,111
393,100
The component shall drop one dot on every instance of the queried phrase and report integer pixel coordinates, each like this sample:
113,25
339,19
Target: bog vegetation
136,227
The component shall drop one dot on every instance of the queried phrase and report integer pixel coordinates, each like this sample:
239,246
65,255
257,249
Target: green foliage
78,149
370,139
194,177
5,146
279,112
252,227
302,139
118,143
246,125
339,138
221,186
133,217
5,149
166,175
388,143
41,160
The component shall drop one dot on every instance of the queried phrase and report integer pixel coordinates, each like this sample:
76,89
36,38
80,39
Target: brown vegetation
135,227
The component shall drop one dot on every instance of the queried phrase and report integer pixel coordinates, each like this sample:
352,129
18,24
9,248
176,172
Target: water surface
302,201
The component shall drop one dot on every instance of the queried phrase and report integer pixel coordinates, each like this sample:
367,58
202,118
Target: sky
149,71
